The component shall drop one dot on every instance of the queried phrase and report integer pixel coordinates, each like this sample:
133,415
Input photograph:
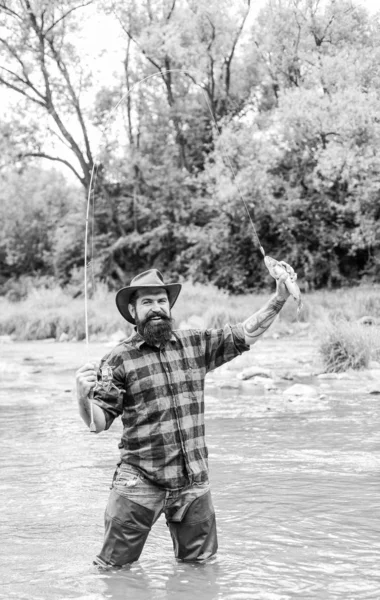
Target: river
296,491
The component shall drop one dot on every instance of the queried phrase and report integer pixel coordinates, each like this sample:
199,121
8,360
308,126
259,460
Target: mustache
160,314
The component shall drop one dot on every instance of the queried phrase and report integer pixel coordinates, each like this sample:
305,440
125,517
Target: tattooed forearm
256,325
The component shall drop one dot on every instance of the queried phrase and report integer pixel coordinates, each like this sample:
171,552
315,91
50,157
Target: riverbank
276,376
58,313
344,324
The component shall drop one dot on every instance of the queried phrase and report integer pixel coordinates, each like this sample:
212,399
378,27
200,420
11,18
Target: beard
155,333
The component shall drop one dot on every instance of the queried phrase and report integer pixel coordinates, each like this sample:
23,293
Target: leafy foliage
348,345
212,109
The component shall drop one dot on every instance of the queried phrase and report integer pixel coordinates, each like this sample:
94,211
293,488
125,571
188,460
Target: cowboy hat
149,279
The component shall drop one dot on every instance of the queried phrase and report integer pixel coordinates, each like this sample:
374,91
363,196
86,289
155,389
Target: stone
375,389
328,376
300,389
368,320
288,376
63,337
258,380
250,372
228,385
303,374
269,384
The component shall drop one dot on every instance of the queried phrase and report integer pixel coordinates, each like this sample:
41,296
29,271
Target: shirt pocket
192,379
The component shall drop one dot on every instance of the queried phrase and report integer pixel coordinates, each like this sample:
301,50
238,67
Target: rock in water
375,389
250,372
300,389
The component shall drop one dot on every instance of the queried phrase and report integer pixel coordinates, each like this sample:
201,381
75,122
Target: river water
296,492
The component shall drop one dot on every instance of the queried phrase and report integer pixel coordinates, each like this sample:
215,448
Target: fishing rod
93,181
94,171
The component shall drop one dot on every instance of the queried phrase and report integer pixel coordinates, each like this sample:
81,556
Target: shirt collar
137,340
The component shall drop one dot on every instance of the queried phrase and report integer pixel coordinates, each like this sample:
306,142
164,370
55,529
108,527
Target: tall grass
49,312
348,345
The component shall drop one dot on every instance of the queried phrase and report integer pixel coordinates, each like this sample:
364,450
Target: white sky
371,5
103,35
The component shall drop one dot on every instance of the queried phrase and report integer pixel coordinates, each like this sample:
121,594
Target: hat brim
123,297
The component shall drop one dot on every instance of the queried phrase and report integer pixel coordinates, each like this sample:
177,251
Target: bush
348,345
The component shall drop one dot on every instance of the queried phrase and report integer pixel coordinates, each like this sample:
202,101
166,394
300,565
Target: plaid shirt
161,399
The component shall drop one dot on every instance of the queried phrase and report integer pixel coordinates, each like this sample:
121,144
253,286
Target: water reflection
296,495
152,582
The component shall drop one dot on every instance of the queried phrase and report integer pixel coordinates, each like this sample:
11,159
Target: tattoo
256,325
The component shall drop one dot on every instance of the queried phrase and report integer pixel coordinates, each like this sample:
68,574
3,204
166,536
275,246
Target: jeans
135,504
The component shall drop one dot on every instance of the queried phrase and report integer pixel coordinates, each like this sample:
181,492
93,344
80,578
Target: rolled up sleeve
110,400
222,345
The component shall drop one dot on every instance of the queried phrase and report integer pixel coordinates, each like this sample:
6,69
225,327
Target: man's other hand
85,380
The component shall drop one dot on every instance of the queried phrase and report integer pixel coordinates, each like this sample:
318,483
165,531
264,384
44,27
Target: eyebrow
154,297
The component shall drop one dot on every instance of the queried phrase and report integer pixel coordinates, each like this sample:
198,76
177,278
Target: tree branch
64,71
228,60
171,10
86,168
57,159
9,11
62,17
26,81
129,34
11,86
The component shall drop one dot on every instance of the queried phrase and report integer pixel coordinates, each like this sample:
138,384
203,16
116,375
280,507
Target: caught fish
276,269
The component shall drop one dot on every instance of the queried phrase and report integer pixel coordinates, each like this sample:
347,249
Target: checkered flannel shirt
162,401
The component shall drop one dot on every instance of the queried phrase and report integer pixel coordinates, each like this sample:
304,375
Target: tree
34,204
40,64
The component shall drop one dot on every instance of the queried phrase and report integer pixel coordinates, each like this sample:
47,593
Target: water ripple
296,496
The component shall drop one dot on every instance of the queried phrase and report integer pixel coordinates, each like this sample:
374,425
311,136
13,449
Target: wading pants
135,504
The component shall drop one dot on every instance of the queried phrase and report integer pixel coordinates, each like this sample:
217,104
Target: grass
346,345
48,313
51,311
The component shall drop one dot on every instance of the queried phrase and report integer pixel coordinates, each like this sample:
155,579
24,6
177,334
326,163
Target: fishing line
94,175
234,176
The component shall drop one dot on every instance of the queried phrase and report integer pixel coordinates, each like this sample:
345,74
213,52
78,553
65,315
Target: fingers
87,372
283,277
281,289
290,271
86,378
87,367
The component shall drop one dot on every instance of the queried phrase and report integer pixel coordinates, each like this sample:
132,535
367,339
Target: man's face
152,315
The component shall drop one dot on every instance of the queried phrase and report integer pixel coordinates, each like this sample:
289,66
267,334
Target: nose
156,307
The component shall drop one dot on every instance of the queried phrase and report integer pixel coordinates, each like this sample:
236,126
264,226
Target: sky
102,38
371,5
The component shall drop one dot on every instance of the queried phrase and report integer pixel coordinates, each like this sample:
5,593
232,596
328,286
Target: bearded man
155,380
